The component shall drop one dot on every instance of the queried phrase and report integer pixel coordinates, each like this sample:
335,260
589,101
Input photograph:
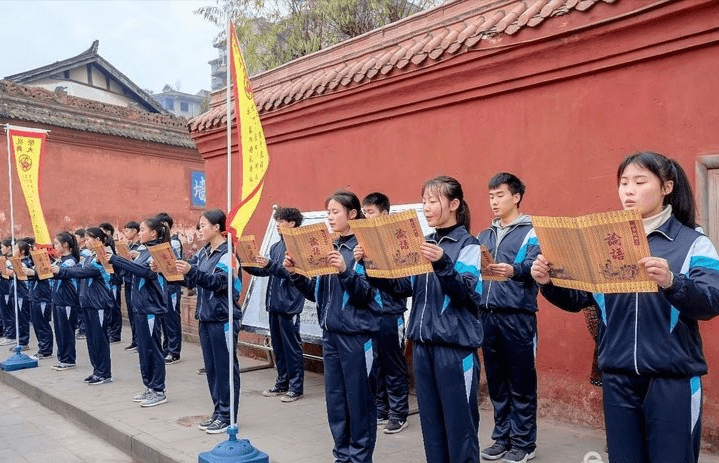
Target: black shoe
96,380
217,427
170,359
382,419
132,346
518,456
114,340
41,356
205,424
89,378
395,426
495,451
274,391
291,396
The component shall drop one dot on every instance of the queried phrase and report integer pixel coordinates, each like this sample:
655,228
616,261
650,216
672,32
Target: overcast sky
152,42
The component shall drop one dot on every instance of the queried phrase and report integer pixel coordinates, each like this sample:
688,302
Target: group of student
649,344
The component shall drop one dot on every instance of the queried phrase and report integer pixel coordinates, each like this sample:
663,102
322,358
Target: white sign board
255,317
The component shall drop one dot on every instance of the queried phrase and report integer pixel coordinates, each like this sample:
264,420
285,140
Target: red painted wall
560,113
90,178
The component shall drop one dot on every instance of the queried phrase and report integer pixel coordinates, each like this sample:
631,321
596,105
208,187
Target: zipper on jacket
636,325
424,307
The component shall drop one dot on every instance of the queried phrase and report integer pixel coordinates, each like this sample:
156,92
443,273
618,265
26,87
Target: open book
42,264
308,246
248,250
164,258
18,268
391,245
100,254
123,250
597,252
487,260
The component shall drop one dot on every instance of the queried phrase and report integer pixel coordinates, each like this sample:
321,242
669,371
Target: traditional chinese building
557,92
113,153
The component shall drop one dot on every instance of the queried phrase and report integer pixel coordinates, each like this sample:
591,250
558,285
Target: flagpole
12,232
230,267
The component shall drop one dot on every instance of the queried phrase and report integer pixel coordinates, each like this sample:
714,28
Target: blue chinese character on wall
197,189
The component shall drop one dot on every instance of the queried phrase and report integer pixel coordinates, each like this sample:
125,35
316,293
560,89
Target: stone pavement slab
289,432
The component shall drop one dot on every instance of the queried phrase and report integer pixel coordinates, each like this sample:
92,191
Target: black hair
132,224
377,199
348,200
681,198
7,242
216,217
160,227
24,247
451,189
514,184
107,228
290,214
29,240
165,217
80,232
98,233
69,239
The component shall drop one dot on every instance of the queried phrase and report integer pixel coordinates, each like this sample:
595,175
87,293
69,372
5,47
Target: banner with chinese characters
597,252
28,148
253,148
391,245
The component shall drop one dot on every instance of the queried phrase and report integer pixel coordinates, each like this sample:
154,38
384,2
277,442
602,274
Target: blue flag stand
233,451
18,361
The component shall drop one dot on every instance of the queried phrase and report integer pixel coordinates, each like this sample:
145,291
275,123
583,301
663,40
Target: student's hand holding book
182,266
55,269
358,253
501,269
335,259
153,265
540,270
431,251
263,261
658,271
289,264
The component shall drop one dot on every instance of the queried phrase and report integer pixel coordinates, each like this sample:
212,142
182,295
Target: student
40,310
20,292
284,303
7,312
65,301
445,328
114,322
95,299
208,273
508,314
80,237
172,321
349,316
130,232
393,378
650,348
149,300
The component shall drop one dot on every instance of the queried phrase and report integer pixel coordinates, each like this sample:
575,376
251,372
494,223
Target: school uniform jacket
149,289
282,296
445,303
346,302
64,290
209,275
94,290
23,287
518,247
656,333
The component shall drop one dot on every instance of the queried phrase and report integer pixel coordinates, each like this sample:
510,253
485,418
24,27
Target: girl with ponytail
650,348
65,301
149,300
445,328
6,312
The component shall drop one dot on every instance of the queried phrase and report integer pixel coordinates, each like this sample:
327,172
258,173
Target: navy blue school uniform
127,281
65,307
445,329
95,300
284,304
8,316
114,322
172,320
20,292
392,375
509,318
650,350
208,273
349,310
149,300
41,314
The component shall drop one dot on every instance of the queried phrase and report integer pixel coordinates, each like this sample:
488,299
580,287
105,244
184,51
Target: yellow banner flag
28,149
253,147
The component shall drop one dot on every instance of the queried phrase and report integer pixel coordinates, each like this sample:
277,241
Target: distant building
183,104
218,67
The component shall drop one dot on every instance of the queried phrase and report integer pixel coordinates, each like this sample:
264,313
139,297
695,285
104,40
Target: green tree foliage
273,32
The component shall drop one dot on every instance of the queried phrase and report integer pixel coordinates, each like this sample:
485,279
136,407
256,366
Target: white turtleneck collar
656,221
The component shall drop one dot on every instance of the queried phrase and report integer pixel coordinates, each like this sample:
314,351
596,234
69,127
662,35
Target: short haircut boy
289,214
377,199
514,184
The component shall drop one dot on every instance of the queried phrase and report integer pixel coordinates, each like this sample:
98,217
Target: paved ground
289,433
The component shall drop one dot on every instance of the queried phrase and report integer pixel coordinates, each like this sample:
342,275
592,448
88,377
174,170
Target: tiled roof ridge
59,109
417,41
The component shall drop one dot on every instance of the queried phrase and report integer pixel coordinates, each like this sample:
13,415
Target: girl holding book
20,291
7,312
445,328
40,310
65,301
349,312
149,300
95,299
208,272
650,349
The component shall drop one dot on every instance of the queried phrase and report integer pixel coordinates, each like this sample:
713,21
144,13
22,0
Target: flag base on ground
18,361
233,451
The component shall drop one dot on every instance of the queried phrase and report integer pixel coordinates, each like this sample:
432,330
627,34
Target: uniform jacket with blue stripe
41,290
64,291
445,303
656,334
127,277
392,291
346,302
149,289
282,296
94,290
520,248
209,275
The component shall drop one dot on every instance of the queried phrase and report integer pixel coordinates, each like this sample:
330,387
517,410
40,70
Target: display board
255,317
